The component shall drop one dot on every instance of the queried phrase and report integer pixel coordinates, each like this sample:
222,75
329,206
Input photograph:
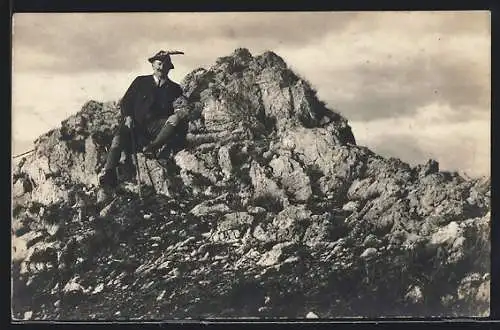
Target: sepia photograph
250,165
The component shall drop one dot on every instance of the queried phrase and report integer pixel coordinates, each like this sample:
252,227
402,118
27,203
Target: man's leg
180,137
109,178
160,132
166,131
119,143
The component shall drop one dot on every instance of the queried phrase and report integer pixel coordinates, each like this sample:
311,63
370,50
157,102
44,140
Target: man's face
161,68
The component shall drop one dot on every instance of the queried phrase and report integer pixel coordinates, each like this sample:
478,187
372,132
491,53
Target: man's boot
107,181
126,169
109,178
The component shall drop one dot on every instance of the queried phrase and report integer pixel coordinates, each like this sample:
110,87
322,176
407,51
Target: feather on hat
164,55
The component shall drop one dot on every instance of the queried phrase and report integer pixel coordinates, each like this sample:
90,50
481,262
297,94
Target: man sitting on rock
155,110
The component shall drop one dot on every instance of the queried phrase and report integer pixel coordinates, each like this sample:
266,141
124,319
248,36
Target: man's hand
128,121
174,119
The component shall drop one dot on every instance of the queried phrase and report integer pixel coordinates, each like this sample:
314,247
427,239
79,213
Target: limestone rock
415,295
265,189
368,253
291,223
205,208
270,202
189,162
324,228
274,256
311,315
225,162
292,178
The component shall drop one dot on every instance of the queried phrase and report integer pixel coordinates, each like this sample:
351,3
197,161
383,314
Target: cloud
468,157
54,97
402,146
429,134
111,41
365,65
370,70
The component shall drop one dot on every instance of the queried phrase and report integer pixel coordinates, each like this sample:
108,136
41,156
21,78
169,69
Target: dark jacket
145,102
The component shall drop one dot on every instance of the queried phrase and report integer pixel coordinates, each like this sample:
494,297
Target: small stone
312,315
267,155
414,294
147,216
98,288
351,206
263,309
483,292
160,296
369,253
447,300
55,289
291,260
28,315
164,265
73,286
270,258
253,210
371,241
176,272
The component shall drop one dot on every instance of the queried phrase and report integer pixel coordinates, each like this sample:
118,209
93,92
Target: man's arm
181,110
126,103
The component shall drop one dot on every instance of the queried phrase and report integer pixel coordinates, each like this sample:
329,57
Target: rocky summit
270,211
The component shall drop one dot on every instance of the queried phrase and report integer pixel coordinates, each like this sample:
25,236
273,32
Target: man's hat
164,56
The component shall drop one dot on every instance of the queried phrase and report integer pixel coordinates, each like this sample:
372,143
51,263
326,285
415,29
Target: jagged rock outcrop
271,210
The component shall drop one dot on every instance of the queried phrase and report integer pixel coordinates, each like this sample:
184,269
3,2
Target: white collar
157,81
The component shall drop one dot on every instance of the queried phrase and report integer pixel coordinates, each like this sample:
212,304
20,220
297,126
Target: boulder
269,202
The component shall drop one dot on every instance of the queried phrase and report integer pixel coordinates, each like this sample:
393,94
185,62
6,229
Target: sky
413,85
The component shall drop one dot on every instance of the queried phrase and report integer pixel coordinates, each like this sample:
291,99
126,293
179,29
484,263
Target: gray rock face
265,188
233,226
271,201
292,177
